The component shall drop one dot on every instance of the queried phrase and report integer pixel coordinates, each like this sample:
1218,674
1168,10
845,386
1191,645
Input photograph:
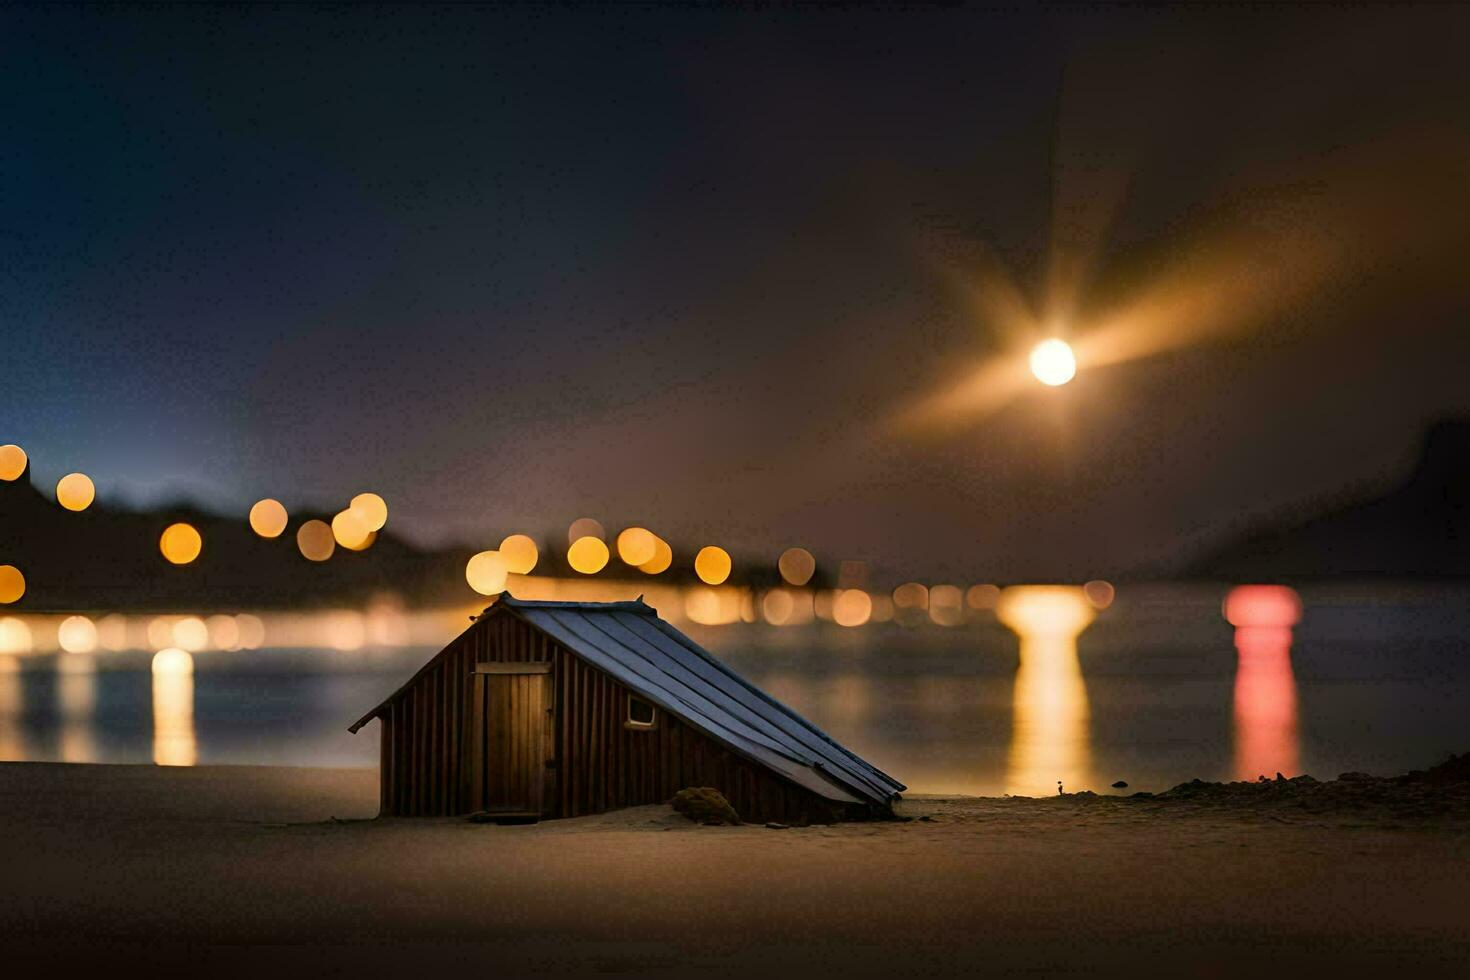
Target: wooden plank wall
597,764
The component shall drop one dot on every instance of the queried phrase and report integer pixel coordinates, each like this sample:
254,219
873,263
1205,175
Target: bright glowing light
585,527
1053,362
190,633
587,555
911,603
15,635
75,491
180,543
1263,605
1049,741
636,546
268,518
663,557
371,509
172,661
315,540
851,607
519,554
350,531
77,634
174,743
797,566
712,565
12,462
712,607
1266,739
12,584
1099,593
486,573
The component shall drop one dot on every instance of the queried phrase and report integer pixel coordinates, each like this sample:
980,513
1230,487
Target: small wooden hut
559,709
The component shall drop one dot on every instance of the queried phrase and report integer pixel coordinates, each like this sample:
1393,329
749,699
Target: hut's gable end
596,762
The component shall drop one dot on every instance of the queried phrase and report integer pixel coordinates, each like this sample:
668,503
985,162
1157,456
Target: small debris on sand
773,825
705,805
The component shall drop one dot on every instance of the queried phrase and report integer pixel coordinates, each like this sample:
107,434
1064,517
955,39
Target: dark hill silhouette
106,557
1418,530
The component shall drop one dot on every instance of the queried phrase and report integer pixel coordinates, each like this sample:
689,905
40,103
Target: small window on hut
641,714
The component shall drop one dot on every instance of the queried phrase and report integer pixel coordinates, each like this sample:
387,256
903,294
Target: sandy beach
236,870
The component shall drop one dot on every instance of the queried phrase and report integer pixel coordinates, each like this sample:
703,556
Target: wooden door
512,713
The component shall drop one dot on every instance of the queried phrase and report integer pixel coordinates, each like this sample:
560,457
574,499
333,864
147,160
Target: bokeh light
252,631
15,635
585,527
350,531
777,605
1053,362
663,557
1099,593
12,462
224,632
268,518
911,603
190,633
12,584
315,540
519,554
486,573
982,596
371,510
712,564
946,605
851,607
587,555
172,662
180,543
1263,605
77,634
797,566
636,546
75,491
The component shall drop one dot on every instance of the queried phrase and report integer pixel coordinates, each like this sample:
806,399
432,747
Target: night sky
727,273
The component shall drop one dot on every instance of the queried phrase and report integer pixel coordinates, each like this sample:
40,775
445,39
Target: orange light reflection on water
1267,740
1049,736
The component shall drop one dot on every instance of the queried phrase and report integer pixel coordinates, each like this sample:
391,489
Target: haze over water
1159,689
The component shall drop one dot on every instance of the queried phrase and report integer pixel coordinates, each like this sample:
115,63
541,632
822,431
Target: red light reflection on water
1266,737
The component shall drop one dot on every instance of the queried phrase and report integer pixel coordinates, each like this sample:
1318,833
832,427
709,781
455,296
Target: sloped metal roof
629,642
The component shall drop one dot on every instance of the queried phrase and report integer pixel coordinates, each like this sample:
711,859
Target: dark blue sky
683,267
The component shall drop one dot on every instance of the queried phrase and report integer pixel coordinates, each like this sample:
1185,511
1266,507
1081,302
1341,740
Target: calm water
1158,690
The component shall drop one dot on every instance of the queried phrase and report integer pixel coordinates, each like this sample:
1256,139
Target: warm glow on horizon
663,557
13,461
1053,363
519,553
315,540
12,584
797,566
588,555
180,543
371,510
268,518
712,565
636,546
486,573
75,491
